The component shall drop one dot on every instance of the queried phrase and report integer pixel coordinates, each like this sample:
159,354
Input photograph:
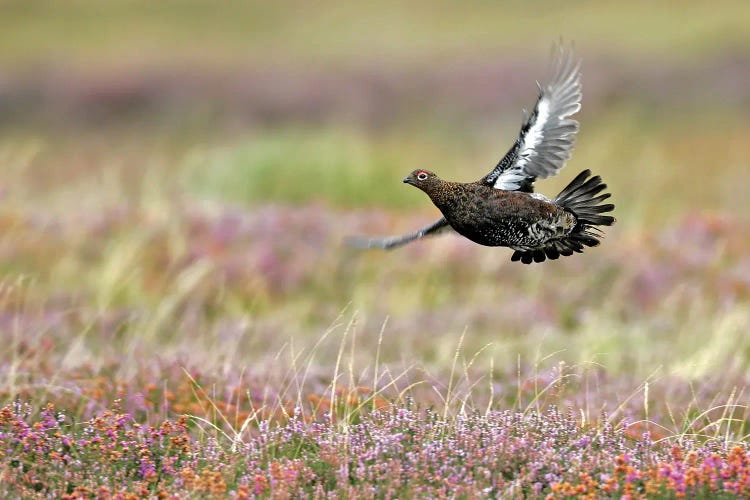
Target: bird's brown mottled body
494,217
536,227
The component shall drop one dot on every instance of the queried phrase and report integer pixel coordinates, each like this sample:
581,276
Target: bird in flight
501,208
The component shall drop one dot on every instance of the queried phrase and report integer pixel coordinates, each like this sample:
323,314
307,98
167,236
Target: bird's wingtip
361,242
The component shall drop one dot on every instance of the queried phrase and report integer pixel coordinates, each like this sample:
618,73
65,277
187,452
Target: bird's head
423,179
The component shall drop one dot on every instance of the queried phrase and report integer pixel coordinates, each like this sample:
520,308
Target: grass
201,280
300,167
181,319
86,32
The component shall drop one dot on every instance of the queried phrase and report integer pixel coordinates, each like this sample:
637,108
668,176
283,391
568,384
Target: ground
175,295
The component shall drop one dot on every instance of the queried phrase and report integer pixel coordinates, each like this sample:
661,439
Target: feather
547,135
391,242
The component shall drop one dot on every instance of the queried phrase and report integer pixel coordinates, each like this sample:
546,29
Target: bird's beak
406,180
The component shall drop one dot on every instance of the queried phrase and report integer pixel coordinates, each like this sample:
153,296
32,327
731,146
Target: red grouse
501,209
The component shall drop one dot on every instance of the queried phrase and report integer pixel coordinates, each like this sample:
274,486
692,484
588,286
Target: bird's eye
422,176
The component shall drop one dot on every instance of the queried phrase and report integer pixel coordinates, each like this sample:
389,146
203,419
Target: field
180,317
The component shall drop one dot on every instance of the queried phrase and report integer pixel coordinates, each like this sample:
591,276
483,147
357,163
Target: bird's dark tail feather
582,198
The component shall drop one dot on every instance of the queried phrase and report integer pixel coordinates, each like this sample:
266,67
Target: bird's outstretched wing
391,242
547,135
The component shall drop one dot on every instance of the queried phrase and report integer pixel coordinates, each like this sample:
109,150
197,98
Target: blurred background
177,178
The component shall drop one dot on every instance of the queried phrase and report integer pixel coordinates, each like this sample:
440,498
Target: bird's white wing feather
548,134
